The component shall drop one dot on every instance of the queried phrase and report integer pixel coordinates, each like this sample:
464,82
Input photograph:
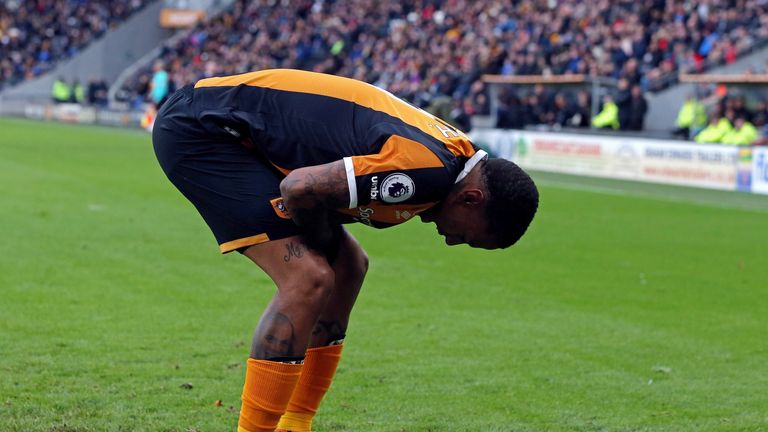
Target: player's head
490,209
513,200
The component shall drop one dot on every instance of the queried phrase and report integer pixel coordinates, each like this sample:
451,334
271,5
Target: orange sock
268,388
319,368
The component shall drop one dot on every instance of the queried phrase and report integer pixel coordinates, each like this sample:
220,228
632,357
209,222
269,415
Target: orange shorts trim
246,241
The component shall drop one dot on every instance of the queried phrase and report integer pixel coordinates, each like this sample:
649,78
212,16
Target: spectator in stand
546,101
478,98
462,114
139,101
638,106
441,107
761,125
533,113
510,114
623,100
562,110
96,93
581,117
631,72
739,107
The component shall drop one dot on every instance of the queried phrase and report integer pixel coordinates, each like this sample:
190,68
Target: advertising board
74,113
180,18
760,170
661,161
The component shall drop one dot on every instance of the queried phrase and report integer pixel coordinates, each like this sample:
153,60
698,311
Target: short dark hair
513,200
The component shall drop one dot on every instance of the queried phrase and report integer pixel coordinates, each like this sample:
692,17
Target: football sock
319,368
268,388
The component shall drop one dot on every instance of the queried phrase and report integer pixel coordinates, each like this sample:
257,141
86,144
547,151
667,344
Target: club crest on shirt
279,207
396,188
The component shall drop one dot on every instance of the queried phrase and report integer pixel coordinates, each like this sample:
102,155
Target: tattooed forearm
310,182
274,338
309,194
294,250
321,187
329,331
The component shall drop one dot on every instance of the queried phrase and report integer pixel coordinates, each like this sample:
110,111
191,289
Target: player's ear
471,197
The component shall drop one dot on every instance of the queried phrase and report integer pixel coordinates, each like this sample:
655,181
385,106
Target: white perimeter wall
683,163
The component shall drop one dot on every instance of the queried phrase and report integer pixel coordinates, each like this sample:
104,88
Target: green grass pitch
625,308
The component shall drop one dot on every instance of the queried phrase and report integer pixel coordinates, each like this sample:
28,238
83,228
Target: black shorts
235,190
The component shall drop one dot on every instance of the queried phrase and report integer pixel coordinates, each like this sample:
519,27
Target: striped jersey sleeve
403,172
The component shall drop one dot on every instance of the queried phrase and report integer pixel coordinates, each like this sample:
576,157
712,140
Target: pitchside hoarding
760,170
660,161
75,113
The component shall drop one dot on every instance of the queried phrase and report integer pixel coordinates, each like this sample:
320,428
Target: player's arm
310,194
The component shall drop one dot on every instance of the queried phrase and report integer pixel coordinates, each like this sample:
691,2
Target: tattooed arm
310,194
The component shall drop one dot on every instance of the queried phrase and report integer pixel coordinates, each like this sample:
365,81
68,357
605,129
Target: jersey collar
479,155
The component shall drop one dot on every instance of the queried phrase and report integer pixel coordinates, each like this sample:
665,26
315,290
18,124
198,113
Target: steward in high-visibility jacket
715,131
78,93
608,117
743,134
692,115
60,91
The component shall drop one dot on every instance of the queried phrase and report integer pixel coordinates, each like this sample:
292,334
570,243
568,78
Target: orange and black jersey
400,160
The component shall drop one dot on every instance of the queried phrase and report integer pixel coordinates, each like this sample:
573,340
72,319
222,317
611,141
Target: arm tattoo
323,186
310,193
328,331
294,250
336,185
309,185
275,337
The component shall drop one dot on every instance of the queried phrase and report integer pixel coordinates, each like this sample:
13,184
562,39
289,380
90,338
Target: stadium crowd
429,52
426,49
36,34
